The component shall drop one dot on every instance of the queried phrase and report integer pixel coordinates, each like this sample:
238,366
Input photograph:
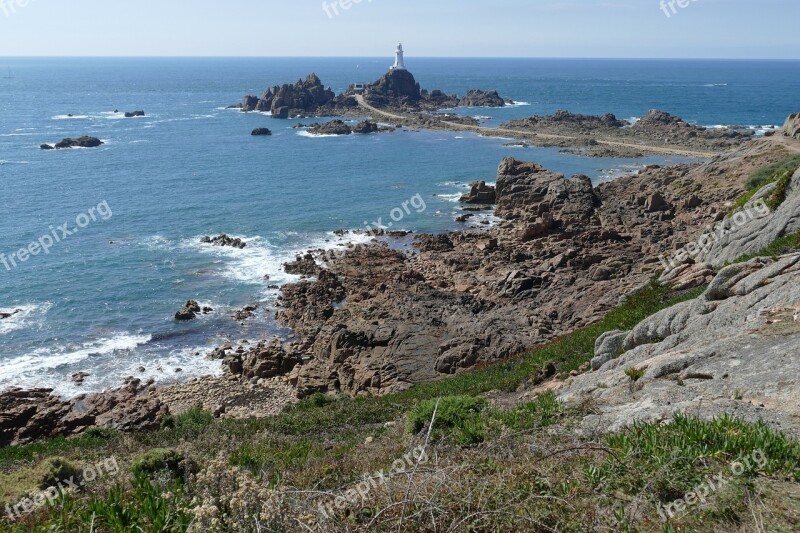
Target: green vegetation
781,246
157,460
767,174
635,373
780,172
513,467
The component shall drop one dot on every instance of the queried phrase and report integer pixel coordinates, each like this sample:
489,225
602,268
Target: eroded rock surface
736,350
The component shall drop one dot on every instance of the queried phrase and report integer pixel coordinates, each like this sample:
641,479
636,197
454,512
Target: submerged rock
132,114
261,132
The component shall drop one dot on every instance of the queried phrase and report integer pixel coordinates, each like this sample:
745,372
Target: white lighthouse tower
399,64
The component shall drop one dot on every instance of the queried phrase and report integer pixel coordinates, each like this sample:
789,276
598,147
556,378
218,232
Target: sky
741,29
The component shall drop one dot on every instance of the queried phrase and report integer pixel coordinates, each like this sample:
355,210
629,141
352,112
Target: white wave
17,134
764,129
112,115
715,85
304,133
70,117
6,162
459,137
162,369
455,197
518,104
50,359
459,184
28,315
251,264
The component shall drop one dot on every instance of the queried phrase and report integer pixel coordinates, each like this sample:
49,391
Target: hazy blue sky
529,28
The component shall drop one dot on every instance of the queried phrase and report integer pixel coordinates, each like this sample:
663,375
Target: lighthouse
399,64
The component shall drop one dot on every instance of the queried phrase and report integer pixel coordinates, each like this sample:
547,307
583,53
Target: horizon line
619,58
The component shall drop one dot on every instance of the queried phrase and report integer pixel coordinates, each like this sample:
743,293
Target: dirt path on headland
485,130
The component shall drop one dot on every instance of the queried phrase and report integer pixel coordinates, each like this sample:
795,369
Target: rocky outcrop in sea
80,142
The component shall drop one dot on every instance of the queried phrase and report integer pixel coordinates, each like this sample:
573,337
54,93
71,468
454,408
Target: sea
116,230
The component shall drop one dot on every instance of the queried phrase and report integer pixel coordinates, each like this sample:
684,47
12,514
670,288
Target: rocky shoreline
373,320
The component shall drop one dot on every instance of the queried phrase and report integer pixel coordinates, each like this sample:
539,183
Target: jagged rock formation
29,415
300,98
334,127
375,320
479,98
224,240
80,142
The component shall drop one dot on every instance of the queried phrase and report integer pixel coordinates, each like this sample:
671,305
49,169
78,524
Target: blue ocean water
103,299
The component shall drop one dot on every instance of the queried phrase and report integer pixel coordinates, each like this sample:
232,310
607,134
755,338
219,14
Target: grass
780,172
635,374
781,246
494,464
767,174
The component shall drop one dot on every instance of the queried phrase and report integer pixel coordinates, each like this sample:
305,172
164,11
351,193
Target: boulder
189,311
656,203
261,132
132,114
